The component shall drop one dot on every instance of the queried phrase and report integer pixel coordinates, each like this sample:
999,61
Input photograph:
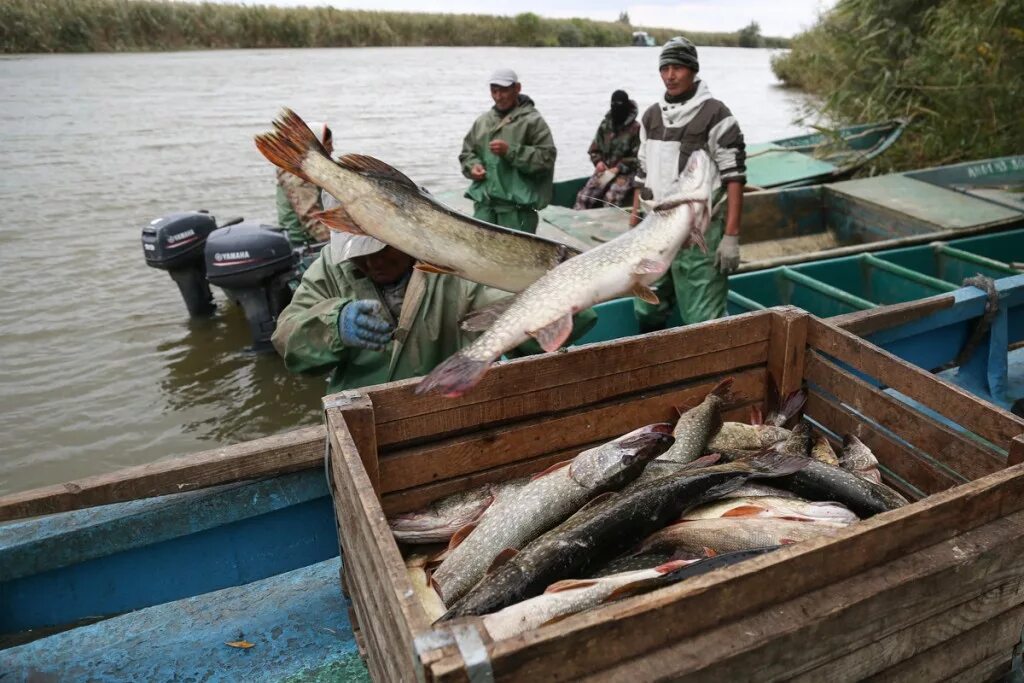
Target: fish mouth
655,438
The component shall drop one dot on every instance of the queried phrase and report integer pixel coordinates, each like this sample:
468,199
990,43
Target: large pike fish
519,517
731,534
624,266
380,201
693,430
606,528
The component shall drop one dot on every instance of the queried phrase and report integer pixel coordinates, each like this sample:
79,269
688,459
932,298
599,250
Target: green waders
692,284
507,215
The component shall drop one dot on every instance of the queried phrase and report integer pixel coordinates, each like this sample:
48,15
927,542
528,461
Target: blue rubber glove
362,324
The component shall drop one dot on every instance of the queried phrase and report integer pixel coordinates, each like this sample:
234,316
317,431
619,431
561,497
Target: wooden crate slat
523,440
993,639
991,670
414,498
395,401
966,456
847,631
787,343
985,419
611,384
376,567
257,459
622,631
901,460
863,323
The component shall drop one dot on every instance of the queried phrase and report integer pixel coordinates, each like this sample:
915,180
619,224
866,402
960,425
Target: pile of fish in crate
743,498
645,510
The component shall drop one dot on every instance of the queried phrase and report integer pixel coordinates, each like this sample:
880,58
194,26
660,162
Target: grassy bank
956,66
130,25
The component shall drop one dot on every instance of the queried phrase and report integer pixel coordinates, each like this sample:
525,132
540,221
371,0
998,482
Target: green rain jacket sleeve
468,157
307,329
536,152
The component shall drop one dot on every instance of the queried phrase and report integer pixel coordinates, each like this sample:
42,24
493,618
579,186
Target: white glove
727,257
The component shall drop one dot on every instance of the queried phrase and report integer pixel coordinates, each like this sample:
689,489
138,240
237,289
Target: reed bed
955,66
137,25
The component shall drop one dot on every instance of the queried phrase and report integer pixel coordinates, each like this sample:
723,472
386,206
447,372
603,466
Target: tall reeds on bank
127,25
955,66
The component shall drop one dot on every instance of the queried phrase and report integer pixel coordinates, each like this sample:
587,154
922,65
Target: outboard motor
253,264
175,243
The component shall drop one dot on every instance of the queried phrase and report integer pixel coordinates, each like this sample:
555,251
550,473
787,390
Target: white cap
504,78
345,245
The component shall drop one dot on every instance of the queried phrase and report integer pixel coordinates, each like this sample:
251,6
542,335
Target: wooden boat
811,159
232,560
796,225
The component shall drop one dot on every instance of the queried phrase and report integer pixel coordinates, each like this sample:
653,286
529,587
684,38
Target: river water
100,366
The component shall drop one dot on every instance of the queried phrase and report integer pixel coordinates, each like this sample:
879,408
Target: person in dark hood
509,155
614,155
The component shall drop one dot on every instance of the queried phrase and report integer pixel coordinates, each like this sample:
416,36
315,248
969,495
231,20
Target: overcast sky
778,18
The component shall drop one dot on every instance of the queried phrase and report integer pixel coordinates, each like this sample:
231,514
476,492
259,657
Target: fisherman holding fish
298,200
363,312
509,155
688,118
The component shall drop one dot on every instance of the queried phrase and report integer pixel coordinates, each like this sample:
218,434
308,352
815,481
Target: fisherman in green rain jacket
509,155
365,314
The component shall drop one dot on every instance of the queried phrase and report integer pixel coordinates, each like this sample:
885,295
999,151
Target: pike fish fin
709,552
553,335
672,565
340,220
482,318
459,536
645,293
723,389
756,416
454,377
791,406
287,146
367,165
503,557
703,461
553,468
650,266
745,511
696,239
569,584
431,268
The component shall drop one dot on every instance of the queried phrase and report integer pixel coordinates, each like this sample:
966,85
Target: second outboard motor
175,243
253,264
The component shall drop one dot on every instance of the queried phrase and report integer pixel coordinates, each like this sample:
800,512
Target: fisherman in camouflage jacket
614,155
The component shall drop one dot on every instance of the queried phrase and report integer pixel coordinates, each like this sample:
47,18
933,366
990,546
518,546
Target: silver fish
438,521
859,459
724,535
567,597
622,266
380,201
776,507
548,500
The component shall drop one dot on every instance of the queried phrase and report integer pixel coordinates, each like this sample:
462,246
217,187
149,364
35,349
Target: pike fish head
613,464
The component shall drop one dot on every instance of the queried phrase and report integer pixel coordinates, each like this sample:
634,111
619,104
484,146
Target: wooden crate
924,592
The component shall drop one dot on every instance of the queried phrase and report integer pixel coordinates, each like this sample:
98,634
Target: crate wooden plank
522,440
902,461
377,568
859,626
992,639
967,457
787,343
411,499
266,457
991,670
358,415
985,419
623,631
1015,456
613,384
395,401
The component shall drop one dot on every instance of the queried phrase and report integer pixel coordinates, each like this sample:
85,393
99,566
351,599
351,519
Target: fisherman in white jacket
688,118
